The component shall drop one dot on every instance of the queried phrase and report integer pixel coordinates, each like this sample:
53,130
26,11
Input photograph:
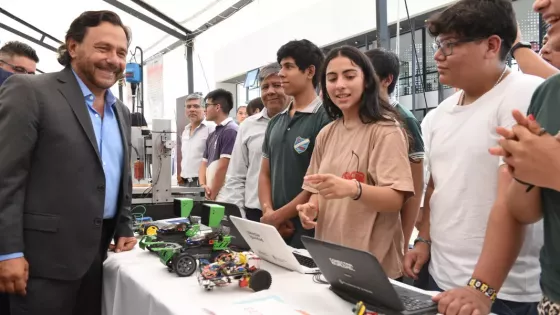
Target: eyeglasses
446,47
211,104
17,69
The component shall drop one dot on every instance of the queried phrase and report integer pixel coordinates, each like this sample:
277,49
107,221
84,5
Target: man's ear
311,72
71,46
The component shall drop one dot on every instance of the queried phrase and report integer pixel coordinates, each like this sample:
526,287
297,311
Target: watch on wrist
422,240
520,45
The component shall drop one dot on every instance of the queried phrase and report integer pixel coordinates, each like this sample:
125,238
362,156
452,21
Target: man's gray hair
267,71
194,96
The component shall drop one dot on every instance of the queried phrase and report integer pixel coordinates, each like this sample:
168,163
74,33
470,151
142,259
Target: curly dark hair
305,54
477,19
15,48
80,25
372,107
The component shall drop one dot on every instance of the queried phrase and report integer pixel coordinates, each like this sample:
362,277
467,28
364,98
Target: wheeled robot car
183,228
183,259
230,266
174,233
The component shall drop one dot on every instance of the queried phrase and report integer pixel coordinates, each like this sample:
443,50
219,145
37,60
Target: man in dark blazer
65,183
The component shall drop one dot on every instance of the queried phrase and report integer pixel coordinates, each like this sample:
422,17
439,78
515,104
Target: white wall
232,88
251,37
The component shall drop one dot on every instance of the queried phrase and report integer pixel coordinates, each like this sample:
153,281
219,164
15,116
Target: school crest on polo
301,144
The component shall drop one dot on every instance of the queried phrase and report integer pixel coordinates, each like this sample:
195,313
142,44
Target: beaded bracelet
484,288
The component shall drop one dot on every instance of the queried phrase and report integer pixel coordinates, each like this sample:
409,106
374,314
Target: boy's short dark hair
477,19
15,48
222,97
253,105
385,63
305,54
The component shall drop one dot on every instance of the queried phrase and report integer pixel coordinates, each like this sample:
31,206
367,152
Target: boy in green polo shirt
290,139
387,67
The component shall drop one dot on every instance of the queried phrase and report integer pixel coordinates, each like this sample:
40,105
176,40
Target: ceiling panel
55,16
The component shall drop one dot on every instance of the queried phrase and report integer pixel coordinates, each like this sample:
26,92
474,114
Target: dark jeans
295,239
253,214
4,304
500,307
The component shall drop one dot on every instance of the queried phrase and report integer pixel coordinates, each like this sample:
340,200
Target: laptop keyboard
412,303
305,261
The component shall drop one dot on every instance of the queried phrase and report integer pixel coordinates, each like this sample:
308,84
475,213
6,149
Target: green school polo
288,144
545,106
416,150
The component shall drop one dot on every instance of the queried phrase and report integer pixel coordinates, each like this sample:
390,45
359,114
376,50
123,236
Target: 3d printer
152,163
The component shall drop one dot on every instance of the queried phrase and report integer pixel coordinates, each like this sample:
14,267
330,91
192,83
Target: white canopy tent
169,24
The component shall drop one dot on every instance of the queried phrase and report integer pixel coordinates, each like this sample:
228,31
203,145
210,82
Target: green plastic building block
185,206
212,215
195,228
223,244
165,256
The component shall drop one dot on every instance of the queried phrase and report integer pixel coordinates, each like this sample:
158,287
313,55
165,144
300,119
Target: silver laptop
266,242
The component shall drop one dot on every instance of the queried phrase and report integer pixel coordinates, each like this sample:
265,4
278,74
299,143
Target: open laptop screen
353,273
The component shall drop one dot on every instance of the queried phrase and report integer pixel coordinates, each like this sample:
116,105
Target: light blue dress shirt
110,145
111,151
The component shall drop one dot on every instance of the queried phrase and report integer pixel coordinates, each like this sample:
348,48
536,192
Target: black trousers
295,240
58,297
253,214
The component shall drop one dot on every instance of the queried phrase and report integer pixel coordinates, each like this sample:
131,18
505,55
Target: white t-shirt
423,125
192,147
465,179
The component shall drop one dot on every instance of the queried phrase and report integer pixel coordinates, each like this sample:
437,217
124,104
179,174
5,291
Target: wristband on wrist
422,240
484,288
359,186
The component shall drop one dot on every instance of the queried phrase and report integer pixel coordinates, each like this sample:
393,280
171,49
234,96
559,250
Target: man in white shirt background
242,179
467,185
193,140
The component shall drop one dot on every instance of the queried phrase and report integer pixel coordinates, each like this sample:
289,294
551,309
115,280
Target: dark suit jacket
52,184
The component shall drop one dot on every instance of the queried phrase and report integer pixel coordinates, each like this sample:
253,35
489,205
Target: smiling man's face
550,10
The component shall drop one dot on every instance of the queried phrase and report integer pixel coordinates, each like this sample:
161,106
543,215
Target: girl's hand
331,186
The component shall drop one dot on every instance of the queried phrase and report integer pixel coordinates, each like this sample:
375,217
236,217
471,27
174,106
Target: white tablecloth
137,283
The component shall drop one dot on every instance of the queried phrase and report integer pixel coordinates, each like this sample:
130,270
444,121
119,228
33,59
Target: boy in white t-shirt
467,184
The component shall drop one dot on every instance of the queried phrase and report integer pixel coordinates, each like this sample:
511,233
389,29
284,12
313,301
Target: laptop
237,240
238,243
356,276
266,242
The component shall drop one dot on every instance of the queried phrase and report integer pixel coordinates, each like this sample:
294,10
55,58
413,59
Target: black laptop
356,276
